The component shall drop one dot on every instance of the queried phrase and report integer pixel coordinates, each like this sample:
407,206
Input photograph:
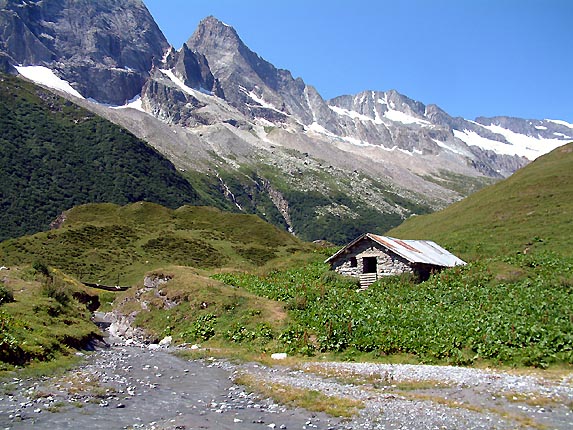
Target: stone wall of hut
388,263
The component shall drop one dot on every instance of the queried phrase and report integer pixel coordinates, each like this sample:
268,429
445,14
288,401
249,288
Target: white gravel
446,398
489,380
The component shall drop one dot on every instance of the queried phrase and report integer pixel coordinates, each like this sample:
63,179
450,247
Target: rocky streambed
129,385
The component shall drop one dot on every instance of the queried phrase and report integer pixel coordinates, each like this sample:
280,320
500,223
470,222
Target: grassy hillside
111,244
44,314
55,155
531,210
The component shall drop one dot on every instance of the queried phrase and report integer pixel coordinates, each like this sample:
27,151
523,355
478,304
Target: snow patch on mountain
404,118
191,91
354,115
44,76
390,114
527,146
259,100
317,128
447,147
471,138
134,103
558,121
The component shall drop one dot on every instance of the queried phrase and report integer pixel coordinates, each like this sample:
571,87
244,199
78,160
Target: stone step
367,279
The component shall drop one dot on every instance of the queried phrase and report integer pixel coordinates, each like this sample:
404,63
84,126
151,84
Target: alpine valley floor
131,385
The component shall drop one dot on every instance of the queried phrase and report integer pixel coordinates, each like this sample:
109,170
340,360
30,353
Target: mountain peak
212,31
214,22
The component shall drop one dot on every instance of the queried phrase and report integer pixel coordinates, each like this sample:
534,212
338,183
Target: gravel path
130,386
436,397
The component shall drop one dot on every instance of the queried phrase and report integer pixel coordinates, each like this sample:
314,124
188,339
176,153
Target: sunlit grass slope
114,244
533,209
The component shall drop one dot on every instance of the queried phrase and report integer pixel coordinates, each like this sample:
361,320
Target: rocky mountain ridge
259,136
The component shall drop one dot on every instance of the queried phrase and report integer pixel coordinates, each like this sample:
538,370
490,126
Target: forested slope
55,155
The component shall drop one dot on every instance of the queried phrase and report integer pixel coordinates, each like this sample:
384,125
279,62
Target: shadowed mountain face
258,138
104,48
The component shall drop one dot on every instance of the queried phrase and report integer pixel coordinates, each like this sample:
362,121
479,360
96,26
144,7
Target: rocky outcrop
193,70
59,221
156,280
165,100
281,203
121,326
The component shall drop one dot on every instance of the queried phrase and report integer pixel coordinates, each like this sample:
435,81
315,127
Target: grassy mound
112,244
196,309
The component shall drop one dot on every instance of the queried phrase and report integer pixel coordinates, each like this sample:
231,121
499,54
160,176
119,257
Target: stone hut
371,257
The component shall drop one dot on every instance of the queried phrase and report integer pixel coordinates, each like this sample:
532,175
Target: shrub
41,268
57,292
203,328
6,295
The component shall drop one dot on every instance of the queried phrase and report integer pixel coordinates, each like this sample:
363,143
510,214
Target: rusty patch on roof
407,246
383,242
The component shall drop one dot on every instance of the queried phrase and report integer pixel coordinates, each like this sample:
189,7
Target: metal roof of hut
415,251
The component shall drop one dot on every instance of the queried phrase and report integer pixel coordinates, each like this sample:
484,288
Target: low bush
56,291
6,295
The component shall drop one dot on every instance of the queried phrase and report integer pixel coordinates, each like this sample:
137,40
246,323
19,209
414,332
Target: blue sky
470,57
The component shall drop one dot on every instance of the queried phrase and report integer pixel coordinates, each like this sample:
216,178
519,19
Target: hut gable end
368,256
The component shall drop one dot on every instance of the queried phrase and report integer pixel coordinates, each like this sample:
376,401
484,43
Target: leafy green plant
240,333
9,349
203,328
458,316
